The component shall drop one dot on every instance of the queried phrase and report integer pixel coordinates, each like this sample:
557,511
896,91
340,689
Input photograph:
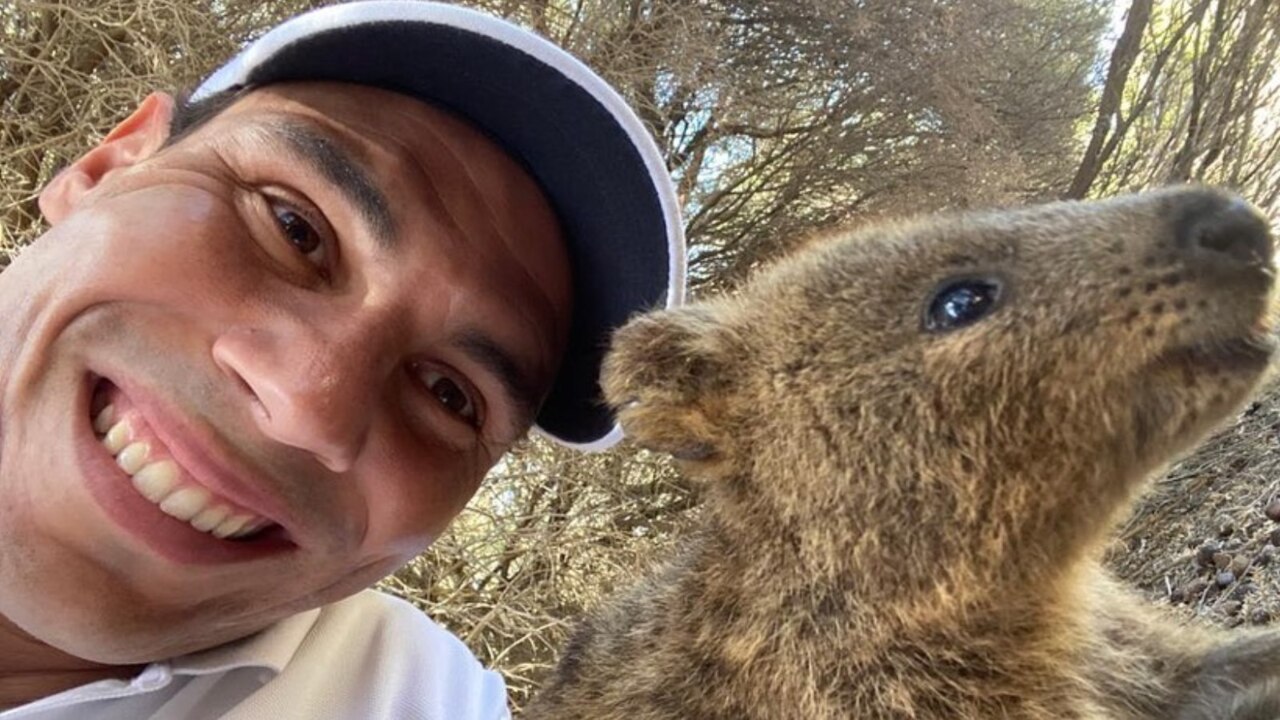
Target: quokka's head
1002,374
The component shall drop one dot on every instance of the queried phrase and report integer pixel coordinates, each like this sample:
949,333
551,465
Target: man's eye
450,394
296,228
306,233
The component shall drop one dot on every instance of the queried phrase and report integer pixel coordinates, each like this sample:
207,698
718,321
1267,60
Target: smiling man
273,340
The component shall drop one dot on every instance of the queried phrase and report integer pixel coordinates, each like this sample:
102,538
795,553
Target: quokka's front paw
1237,681
666,377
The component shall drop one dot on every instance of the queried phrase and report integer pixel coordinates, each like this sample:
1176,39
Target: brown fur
906,524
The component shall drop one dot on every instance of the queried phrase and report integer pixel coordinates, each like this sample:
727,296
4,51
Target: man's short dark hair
189,115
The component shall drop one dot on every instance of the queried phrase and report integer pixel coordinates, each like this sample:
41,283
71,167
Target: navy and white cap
578,139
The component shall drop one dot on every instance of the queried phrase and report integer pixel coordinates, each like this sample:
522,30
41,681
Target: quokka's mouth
1246,354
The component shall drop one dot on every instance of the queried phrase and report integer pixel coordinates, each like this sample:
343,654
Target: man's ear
137,138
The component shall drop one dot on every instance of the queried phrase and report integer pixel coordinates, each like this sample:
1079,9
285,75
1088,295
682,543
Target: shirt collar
271,648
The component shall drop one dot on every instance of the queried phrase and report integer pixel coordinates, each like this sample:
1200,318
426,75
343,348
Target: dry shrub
548,533
69,71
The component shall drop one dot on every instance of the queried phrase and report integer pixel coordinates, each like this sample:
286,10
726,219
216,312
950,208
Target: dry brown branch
1122,58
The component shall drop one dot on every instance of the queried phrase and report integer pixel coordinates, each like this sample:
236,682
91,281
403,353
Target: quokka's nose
1217,230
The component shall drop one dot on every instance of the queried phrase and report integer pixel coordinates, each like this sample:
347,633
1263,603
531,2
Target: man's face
324,314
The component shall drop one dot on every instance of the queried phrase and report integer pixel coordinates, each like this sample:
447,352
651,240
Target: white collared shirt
368,657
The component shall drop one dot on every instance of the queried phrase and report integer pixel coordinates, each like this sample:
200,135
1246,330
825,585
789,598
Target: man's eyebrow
339,167
521,391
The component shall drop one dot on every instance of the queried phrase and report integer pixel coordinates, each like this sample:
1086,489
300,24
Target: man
273,340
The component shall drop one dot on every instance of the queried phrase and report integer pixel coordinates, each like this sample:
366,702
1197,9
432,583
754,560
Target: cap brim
578,139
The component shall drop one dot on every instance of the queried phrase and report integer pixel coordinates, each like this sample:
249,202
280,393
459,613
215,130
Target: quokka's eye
960,303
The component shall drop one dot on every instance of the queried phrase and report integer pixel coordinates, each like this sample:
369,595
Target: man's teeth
133,457
158,482
103,422
116,438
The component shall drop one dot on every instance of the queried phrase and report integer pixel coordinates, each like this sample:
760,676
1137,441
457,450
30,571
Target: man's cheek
143,237
409,509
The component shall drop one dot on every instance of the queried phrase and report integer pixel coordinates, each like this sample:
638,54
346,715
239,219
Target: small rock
1194,589
1272,510
1177,596
1232,607
1226,526
1242,590
1204,556
1265,556
1221,560
1259,616
1234,621
1239,566
1225,578
1275,537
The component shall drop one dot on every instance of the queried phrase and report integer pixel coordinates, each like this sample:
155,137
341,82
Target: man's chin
87,611
122,637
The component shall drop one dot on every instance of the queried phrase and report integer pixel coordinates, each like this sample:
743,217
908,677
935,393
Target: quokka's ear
667,375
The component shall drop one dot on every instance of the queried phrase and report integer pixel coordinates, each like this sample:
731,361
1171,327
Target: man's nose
310,390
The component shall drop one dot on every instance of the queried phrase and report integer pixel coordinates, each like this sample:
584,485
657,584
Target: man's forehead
377,117
401,137
357,119
332,99
343,164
